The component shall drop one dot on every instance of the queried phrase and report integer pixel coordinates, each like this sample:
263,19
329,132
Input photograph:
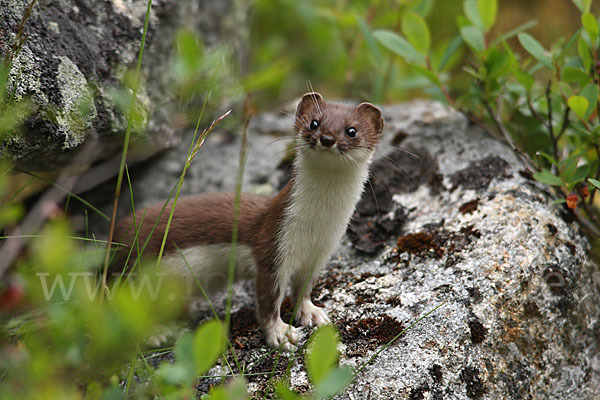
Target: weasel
283,240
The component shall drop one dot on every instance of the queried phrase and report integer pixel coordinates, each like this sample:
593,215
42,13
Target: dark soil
479,174
478,331
475,388
469,207
369,333
436,243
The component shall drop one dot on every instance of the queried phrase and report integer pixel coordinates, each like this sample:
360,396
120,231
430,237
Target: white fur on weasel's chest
321,205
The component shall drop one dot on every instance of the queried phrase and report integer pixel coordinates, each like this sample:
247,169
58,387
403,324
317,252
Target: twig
597,175
526,161
534,112
551,128
583,222
591,215
565,123
498,124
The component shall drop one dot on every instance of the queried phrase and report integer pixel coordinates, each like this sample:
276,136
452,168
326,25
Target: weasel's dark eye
351,132
314,124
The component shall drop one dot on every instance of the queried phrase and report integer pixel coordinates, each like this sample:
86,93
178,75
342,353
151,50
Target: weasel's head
344,131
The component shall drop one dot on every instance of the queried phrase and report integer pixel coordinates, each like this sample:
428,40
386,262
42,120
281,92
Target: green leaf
174,374
334,382
209,343
472,12
184,357
565,89
594,182
423,7
487,11
586,5
580,174
514,32
523,78
563,51
575,75
370,40
453,46
567,167
547,157
416,31
584,53
579,4
431,77
399,46
497,64
547,178
322,354
462,21
234,390
534,48
590,92
473,37
579,105
472,72
284,392
590,25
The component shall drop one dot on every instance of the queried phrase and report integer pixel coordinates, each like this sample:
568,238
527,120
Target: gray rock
76,52
457,224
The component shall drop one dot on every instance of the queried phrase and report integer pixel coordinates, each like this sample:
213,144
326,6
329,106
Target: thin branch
534,112
565,123
550,127
597,175
590,227
498,124
500,127
591,214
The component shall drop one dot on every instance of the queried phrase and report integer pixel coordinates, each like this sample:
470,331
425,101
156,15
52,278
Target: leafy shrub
547,102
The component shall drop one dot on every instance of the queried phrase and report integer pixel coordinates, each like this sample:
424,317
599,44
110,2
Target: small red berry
11,296
572,200
583,191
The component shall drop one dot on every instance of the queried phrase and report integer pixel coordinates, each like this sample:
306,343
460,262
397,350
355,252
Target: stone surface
455,224
76,52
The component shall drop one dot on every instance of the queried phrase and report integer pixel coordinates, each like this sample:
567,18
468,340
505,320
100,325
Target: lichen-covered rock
456,223
76,52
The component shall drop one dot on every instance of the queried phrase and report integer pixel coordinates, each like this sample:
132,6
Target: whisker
400,149
397,168
374,198
302,119
380,183
310,88
279,139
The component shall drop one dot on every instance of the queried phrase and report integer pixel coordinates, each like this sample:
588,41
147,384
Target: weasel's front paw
281,335
311,315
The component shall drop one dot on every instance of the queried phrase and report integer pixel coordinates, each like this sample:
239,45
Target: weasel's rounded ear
371,114
310,103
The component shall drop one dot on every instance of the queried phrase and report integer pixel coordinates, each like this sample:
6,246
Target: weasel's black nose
327,140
